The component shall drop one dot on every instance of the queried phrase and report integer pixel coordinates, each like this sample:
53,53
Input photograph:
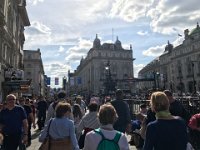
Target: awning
16,85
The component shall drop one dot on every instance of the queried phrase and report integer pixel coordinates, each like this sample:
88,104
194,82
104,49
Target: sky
64,30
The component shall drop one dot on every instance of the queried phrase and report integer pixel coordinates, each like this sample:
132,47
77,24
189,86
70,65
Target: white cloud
34,2
61,49
130,10
142,33
168,16
154,51
56,69
75,53
137,68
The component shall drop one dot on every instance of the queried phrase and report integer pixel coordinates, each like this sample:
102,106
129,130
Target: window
29,66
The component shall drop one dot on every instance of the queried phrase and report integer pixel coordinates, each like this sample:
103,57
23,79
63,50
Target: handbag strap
49,127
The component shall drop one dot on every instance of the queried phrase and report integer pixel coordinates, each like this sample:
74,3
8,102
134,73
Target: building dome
195,30
97,42
118,44
168,47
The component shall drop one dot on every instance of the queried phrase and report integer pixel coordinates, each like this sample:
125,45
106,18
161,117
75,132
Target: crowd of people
75,124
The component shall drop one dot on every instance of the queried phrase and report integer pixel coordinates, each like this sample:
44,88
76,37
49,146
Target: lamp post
156,79
109,83
193,77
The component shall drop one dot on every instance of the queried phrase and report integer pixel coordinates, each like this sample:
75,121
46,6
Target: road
35,144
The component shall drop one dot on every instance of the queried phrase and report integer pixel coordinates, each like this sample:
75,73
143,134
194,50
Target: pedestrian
176,108
77,115
14,124
167,132
29,115
41,112
60,97
96,138
123,122
61,129
89,122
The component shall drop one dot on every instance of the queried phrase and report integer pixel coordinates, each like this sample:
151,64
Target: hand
128,128
25,139
34,126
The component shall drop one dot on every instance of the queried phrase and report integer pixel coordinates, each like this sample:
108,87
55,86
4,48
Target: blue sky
64,30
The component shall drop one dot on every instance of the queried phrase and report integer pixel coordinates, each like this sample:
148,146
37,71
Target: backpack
106,144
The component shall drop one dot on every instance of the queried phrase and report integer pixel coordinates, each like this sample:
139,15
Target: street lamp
109,82
156,79
194,82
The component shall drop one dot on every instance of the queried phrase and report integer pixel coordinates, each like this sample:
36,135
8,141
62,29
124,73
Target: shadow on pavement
35,134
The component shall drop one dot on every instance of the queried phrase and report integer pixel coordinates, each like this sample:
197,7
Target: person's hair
119,93
168,93
159,101
107,114
61,95
77,111
143,106
62,108
11,95
93,107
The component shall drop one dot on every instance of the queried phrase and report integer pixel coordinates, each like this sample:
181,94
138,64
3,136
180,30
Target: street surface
35,144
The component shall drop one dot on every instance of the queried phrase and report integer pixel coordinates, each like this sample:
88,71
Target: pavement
35,143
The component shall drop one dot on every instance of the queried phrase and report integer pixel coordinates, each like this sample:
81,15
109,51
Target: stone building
178,68
13,19
34,70
103,61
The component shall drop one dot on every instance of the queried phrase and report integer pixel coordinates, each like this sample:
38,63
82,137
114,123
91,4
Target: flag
79,80
56,81
48,80
179,35
71,81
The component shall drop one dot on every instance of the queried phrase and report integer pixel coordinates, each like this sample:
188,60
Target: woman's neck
107,127
164,115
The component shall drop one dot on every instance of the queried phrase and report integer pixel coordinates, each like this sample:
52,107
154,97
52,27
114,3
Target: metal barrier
191,104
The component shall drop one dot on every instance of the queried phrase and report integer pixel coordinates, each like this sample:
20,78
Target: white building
178,68
90,75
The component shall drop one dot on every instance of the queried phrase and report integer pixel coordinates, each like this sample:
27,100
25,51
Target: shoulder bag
46,143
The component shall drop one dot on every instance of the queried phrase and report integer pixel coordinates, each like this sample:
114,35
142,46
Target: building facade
92,73
178,68
33,70
13,19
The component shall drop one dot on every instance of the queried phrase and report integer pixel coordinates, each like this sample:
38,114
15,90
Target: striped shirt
90,120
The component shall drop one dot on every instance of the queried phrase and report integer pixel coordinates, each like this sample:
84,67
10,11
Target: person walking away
167,132
29,115
41,109
14,124
176,108
89,122
123,122
77,115
61,129
51,109
105,137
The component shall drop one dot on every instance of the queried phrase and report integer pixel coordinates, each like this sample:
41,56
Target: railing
191,104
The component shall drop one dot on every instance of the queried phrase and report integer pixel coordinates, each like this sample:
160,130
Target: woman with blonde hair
167,132
61,129
106,132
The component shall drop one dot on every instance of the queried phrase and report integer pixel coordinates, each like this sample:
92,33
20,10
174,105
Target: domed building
178,68
103,63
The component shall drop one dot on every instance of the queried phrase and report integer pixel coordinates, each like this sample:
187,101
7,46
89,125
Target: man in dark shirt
41,108
13,124
123,122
